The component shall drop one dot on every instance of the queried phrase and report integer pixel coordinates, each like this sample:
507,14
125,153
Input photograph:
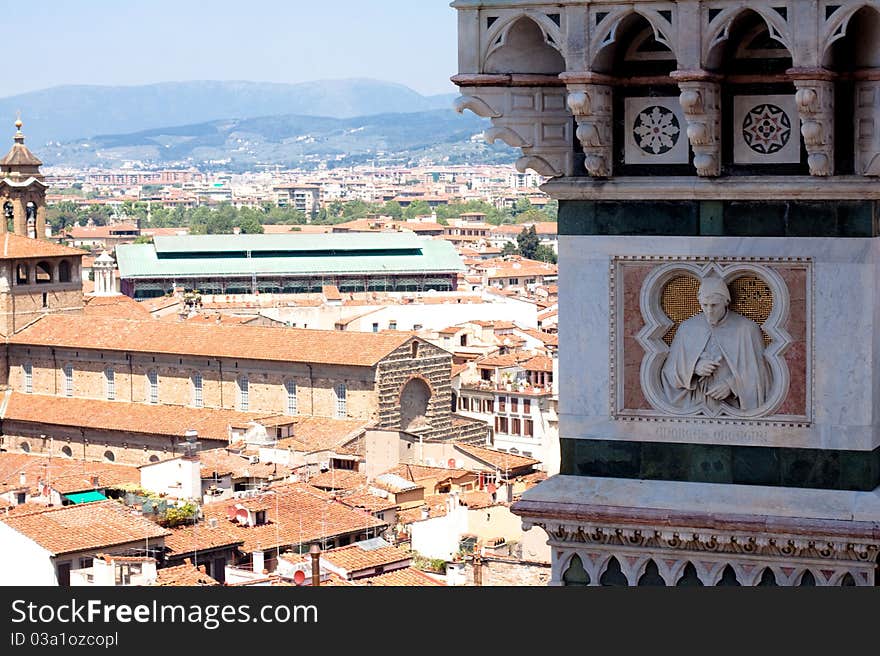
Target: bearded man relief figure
717,357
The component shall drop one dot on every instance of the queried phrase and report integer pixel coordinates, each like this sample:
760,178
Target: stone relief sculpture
719,362
716,357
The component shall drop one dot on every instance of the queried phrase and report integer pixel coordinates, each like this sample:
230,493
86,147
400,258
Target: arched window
68,380
768,578
28,374
341,400
64,271
154,458
576,575
109,456
25,446
807,580
44,273
290,388
110,384
728,577
153,386
244,394
197,398
847,581
651,576
613,576
67,452
689,577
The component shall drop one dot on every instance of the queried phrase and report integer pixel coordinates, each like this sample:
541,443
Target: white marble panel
845,364
766,130
655,131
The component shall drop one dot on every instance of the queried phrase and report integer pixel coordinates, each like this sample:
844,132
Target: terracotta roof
302,514
13,247
418,473
539,363
62,474
497,459
171,420
223,462
457,369
338,479
517,358
242,342
321,433
101,232
84,526
331,293
404,577
548,338
184,575
115,307
367,501
199,537
354,557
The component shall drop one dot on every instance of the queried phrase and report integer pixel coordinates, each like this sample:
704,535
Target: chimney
94,480
478,569
425,512
315,553
22,479
259,561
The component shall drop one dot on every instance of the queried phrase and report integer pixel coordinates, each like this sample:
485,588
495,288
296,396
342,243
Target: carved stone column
19,216
701,102
589,99
867,123
815,103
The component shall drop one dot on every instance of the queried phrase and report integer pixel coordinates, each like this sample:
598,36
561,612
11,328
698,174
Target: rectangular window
28,370
375,327
462,403
68,380
341,393
153,386
244,394
392,325
514,404
290,388
502,424
198,399
110,384
514,426
502,404
527,406
528,430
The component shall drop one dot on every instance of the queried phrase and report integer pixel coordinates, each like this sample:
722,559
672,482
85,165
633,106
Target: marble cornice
723,188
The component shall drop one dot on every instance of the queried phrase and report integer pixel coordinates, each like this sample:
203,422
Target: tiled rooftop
169,420
85,526
191,339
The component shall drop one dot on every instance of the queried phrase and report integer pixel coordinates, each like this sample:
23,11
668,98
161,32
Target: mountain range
240,124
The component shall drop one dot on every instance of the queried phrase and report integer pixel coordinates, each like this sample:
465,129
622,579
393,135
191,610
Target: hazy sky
126,42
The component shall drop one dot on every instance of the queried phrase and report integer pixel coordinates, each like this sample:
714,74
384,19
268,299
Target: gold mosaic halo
749,296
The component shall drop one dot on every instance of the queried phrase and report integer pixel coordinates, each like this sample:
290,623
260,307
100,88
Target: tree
522,205
393,209
528,242
416,208
509,249
545,254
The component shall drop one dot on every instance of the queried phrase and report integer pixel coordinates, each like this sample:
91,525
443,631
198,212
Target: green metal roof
182,244
272,255
85,497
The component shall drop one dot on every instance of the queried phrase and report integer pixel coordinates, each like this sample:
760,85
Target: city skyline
108,45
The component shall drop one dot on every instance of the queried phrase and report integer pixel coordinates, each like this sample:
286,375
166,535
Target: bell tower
22,190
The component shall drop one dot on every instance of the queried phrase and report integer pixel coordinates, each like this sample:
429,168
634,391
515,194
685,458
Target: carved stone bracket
815,103
527,112
589,99
701,102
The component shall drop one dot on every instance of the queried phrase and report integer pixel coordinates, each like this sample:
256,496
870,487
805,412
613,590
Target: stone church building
195,374
716,166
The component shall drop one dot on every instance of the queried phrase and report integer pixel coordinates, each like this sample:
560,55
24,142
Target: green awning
86,497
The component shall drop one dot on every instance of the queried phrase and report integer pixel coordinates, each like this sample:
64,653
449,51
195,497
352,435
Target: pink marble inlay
633,278
796,356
